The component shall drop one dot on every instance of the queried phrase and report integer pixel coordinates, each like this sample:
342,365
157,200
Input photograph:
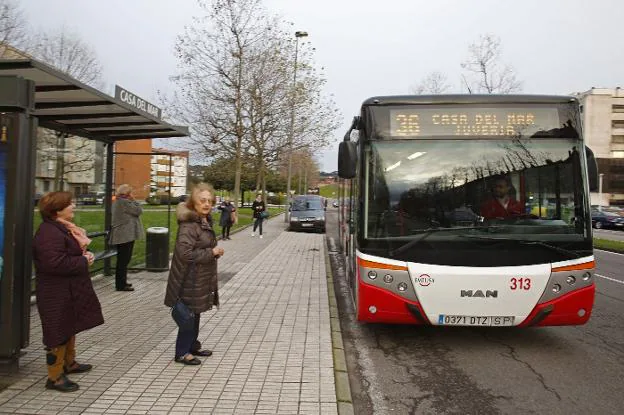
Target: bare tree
485,71
270,109
13,27
213,54
67,52
434,83
70,54
235,89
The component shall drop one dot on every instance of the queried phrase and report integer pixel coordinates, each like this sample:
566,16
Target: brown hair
200,187
52,203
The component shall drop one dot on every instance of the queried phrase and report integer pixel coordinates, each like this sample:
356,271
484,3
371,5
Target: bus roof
469,99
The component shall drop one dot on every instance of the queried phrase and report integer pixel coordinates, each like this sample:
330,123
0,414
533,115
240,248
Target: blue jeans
258,223
186,339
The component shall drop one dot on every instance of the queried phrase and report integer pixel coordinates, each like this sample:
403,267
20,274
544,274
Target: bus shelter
35,94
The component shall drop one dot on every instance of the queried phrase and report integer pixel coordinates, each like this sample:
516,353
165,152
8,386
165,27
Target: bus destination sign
486,122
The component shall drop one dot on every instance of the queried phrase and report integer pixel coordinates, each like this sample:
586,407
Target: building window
617,124
46,185
617,154
617,139
618,108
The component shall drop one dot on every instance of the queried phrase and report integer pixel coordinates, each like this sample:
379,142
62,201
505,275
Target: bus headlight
372,275
388,278
571,279
402,286
556,288
586,276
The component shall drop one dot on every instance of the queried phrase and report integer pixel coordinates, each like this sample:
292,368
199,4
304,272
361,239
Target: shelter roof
65,104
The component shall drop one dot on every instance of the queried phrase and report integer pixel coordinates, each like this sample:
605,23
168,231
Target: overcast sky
368,47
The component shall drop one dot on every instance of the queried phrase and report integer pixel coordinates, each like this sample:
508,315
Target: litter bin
157,249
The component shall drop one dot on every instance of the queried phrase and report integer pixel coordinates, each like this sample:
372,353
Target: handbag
233,218
264,214
181,313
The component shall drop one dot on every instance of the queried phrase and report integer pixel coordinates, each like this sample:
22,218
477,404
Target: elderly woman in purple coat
66,300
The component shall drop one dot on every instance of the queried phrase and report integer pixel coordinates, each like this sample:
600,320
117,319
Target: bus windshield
490,202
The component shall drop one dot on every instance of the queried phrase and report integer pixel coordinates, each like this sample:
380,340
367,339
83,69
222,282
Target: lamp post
291,132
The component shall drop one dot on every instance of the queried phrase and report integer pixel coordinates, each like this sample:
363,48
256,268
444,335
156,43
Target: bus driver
501,205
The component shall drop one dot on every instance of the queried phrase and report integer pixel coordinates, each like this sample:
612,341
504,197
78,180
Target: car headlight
294,219
321,218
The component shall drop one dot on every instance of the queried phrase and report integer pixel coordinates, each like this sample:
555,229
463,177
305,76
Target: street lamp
291,133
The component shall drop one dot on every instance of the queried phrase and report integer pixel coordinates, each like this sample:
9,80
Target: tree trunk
59,174
264,189
239,126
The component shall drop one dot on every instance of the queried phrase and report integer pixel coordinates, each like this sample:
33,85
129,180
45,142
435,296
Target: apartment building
603,125
169,170
68,163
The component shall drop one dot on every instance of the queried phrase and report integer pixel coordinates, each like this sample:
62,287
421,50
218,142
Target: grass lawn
93,221
329,191
607,245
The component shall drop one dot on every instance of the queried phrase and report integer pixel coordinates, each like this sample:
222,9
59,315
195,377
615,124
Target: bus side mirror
347,158
592,169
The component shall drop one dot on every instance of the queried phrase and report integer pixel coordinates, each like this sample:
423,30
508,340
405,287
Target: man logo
479,293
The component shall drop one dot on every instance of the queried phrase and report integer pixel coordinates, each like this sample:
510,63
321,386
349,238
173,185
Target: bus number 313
520,284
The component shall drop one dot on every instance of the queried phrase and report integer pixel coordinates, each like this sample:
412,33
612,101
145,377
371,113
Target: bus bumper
376,305
380,306
571,309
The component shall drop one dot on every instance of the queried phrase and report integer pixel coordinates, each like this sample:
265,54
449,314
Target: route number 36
520,284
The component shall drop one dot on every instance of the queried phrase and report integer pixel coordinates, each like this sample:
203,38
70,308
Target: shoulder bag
181,313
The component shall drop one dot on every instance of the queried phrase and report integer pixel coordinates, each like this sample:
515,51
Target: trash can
157,249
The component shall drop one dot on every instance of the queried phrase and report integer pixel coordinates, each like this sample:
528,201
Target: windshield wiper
564,251
428,232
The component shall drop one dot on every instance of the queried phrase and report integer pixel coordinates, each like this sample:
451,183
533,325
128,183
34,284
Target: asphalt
401,369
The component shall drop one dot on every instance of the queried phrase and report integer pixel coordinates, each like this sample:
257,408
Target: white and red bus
468,210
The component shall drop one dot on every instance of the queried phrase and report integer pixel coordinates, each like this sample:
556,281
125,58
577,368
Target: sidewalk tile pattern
271,340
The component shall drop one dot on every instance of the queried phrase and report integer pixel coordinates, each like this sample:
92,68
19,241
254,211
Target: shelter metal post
169,203
108,196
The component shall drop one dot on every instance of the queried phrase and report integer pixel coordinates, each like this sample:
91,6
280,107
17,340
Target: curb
341,375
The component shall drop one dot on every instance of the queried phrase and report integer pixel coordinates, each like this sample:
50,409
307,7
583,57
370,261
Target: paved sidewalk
271,340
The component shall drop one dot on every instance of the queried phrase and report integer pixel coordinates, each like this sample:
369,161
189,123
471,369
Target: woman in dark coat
66,300
226,221
193,274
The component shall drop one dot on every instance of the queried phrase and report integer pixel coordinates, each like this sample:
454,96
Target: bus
468,210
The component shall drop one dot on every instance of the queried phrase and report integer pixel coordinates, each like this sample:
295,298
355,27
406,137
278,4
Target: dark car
307,212
606,219
87,199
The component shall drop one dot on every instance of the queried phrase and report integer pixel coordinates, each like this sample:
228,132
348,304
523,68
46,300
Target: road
399,369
